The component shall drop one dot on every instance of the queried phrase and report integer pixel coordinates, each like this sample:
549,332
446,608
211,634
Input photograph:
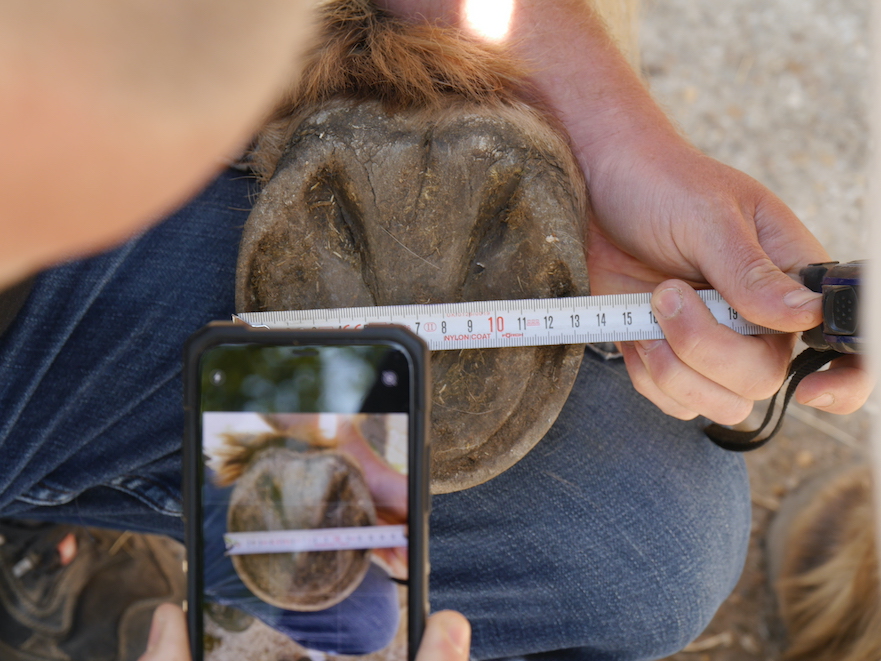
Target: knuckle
731,412
767,371
668,376
667,405
643,385
753,267
681,413
765,382
685,338
763,386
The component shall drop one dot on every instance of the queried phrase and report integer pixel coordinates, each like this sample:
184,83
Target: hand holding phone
306,487
447,637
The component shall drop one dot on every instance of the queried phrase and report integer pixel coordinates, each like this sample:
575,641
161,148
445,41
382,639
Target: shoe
824,570
94,605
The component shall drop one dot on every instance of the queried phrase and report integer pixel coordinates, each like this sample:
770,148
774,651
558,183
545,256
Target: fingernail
824,400
667,302
446,632
798,298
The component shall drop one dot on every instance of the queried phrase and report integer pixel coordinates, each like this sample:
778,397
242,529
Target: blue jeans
616,538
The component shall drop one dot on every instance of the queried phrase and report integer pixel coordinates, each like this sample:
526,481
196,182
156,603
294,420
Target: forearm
587,80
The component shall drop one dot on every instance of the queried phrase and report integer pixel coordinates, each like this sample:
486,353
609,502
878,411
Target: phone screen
304,500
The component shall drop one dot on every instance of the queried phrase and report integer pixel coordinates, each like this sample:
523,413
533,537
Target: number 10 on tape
512,323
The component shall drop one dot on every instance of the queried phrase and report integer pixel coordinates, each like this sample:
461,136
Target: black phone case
419,505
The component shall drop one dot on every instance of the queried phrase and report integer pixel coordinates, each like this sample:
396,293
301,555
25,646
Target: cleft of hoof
283,489
378,199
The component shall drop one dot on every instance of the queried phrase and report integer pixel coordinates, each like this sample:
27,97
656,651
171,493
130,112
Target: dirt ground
776,88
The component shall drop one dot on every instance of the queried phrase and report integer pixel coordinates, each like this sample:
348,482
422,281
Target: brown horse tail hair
832,608
365,53
237,451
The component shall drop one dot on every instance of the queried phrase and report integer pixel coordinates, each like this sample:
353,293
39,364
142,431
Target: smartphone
306,492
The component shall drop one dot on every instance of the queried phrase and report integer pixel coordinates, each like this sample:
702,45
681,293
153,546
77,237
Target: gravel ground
778,89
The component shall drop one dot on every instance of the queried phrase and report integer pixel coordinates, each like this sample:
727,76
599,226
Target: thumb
762,293
168,636
447,637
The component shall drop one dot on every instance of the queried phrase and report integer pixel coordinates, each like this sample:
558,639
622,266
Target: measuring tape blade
316,539
513,323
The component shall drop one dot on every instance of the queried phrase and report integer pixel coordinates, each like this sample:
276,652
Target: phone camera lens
389,378
218,378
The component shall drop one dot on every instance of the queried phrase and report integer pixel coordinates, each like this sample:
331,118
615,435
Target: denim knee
668,580
616,537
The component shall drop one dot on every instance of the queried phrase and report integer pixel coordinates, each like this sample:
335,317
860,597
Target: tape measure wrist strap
807,362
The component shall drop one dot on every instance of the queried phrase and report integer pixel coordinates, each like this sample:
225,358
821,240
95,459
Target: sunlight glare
489,19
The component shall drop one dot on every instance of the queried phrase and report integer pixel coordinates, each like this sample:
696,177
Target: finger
393,560
168,639
842,389
447,637
691,390
753,367
746,276
644,385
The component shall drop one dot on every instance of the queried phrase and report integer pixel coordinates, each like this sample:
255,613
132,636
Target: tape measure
317,539
513,323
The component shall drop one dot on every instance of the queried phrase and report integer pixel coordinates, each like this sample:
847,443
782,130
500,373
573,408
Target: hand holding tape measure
596,319
579,319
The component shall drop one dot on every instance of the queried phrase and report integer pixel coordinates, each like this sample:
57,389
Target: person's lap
615,538
618,535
